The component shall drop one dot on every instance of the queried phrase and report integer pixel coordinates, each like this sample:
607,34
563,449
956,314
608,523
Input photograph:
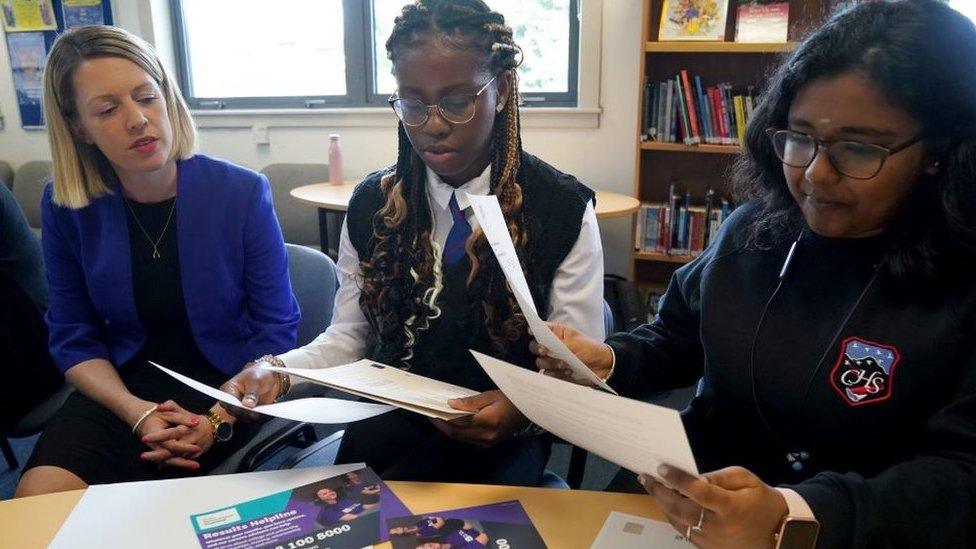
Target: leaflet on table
492,222
347,510
502,525
311,410
389,385
635,435
623,531
153,514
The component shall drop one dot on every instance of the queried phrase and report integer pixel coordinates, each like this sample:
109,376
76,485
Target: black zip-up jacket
882,405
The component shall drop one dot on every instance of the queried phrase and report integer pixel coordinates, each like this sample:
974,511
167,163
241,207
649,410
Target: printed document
635,435
492,221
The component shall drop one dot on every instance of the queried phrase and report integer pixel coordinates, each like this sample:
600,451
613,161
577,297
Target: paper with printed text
310,410
635,435
492,221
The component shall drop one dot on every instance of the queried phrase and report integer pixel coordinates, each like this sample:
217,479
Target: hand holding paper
312,410
636,435
492,221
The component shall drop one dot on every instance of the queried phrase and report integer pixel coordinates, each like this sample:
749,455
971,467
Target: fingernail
663,470
452,401
143,439
143,456
642,479
195,421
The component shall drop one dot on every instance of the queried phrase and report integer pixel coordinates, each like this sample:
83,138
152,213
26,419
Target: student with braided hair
419,282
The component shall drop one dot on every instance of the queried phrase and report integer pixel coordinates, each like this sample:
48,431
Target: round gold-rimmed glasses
458,108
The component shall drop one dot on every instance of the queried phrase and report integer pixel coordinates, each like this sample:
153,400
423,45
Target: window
243,54
965,7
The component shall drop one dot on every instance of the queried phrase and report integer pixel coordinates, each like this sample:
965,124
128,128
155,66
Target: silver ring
697,528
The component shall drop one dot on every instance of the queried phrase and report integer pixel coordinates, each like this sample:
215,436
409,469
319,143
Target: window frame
358,47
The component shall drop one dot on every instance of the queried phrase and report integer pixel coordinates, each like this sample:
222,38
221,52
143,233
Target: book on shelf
693,20
758,21
679,228
684,109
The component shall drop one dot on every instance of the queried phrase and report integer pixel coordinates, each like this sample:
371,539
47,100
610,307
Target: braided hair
401,280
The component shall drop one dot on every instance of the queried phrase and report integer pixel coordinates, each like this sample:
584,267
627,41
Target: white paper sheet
156,514
388,384
310,410
635,435
492,221
623,531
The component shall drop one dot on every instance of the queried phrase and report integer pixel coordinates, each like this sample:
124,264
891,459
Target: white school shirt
575,299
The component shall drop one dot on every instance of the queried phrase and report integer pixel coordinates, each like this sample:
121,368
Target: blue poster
28,50
82,13
28,54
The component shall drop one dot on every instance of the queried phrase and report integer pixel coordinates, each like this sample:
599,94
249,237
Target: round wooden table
335,198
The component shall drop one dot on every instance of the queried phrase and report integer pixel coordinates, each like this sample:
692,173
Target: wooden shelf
657,164
681,147
718,47
662,258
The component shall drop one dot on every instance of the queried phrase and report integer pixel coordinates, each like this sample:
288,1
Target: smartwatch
223,430
797,533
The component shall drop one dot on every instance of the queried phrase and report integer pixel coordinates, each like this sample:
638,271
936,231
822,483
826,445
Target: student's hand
740,509
595,354
252,386
161,431
494,420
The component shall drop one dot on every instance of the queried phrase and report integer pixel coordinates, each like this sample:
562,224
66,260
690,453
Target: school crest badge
864,371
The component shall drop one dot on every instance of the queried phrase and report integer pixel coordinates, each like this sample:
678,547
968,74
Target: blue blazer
233,266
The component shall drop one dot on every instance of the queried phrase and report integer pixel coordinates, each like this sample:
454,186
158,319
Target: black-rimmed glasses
458,108
854,159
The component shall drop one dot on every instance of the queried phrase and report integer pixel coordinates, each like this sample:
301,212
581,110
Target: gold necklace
154,244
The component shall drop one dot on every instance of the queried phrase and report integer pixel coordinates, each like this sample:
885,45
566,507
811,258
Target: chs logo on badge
864,371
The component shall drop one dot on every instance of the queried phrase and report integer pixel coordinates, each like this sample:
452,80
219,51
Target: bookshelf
717,47
697,168
680,147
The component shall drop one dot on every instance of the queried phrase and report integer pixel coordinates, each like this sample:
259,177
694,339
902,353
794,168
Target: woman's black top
876,397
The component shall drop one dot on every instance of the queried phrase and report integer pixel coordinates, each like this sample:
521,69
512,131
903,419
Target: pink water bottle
335,160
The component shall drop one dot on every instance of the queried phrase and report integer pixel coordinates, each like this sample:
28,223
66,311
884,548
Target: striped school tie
454,247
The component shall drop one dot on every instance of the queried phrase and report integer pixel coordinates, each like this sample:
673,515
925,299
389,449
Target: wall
601,157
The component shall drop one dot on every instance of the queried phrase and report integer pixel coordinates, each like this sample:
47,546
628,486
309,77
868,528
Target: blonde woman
152,253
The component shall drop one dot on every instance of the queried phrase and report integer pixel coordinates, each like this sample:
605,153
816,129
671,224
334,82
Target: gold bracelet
143,417
284,380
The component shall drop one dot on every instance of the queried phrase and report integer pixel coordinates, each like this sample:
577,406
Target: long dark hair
401,280
922,54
